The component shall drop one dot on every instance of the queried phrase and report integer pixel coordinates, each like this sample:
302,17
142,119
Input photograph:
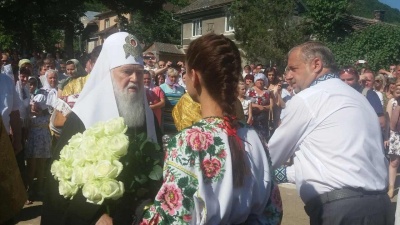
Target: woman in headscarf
171,85
262,100
73,85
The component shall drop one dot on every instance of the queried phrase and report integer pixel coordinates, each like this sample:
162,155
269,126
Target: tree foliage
325,19
158,26
266,29
378,44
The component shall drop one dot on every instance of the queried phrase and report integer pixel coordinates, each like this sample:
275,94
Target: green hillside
365,8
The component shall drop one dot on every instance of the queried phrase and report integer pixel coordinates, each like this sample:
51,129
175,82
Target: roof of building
201,5
166,48
109,30
106,13
357,22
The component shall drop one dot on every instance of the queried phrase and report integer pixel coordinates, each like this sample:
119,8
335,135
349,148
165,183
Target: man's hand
104,220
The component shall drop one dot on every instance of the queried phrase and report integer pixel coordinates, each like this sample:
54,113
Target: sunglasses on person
348,70
149,57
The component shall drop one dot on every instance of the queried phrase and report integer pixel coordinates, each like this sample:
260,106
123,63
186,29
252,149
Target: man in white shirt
9,108
341,170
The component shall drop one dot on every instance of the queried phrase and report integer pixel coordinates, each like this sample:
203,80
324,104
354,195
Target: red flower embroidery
222,154
187,218
180,142
174,153
170,197
211,168
199,140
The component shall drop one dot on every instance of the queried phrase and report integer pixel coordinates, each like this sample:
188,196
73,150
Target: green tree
377,44
325,19
157,26
266,29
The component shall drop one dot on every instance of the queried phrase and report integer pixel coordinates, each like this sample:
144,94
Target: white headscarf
261,76
97,101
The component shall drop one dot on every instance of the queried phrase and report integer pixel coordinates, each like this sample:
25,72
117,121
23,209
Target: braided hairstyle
218,60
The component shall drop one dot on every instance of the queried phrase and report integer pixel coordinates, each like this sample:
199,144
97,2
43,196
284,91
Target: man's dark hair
25,71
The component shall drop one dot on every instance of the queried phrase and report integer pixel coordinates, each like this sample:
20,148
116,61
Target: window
228,24
106,23
196,27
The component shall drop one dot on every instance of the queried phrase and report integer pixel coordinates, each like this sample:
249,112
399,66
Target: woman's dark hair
272,70
158,77
218,60
33,81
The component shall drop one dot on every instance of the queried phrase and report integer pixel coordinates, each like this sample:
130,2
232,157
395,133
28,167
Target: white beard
130,105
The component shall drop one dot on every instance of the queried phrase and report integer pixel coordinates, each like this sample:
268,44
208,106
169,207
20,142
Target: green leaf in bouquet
141,179
156,173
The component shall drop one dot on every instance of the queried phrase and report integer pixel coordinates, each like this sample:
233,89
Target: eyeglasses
348,70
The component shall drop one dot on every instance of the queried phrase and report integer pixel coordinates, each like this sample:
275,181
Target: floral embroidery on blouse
197,154
196,148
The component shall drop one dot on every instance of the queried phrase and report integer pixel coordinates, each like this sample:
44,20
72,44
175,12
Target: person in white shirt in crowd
340,166
23,93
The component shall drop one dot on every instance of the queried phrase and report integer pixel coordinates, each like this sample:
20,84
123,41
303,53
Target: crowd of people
238,133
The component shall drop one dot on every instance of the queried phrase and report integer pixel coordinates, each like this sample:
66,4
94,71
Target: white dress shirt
24,107
336,138
9,100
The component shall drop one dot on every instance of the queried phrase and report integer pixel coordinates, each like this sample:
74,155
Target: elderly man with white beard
114,89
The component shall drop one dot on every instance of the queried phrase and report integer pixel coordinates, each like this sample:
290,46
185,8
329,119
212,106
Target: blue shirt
374,100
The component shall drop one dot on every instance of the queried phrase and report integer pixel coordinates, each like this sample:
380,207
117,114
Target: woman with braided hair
216,171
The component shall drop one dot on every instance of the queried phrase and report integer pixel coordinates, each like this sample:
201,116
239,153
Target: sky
392,3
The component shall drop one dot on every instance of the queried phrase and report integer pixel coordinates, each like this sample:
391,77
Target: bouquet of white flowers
91,161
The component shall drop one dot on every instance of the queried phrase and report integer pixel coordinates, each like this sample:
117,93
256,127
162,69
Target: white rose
78,175
91,191
112,189
89,142
67,189
118,145
75,140
62,170
115,126
108,169
67,153
55,167
97,130
88,173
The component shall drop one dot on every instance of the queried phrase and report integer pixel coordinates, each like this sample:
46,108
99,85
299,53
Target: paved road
293,209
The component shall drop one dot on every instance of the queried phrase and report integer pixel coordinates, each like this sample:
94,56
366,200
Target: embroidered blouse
198,180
